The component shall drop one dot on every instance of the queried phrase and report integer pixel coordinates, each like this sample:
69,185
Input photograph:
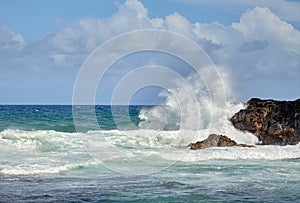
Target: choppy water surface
44,159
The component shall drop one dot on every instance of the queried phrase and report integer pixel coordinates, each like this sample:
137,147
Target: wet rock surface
214,140
273,122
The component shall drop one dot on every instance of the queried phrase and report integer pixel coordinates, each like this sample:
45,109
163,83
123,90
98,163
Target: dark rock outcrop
273,122
214,140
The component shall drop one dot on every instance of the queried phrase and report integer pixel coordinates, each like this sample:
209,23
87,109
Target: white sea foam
41,140
74,142
35,169
237,153
22,153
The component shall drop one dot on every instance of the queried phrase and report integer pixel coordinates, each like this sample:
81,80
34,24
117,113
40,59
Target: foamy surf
39,169
46,152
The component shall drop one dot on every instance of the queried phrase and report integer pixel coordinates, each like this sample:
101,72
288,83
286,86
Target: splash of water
199,110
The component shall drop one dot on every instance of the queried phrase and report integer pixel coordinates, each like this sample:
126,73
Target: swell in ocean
139,154
149,165
48,151
41,139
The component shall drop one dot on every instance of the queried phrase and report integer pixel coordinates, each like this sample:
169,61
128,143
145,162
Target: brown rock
214,140
245,145
273,122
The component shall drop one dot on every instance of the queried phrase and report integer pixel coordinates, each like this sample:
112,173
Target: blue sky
256,42
34,18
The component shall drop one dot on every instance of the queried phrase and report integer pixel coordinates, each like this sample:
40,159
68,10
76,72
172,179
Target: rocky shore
273,122
215,140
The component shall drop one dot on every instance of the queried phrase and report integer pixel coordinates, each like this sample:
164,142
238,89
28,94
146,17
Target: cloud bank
260,52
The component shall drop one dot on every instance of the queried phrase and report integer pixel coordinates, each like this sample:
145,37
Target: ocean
134,156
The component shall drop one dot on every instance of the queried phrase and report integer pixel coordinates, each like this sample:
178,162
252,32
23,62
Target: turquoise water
44,159
56,117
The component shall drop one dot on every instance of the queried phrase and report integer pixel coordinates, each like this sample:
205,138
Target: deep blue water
44,159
